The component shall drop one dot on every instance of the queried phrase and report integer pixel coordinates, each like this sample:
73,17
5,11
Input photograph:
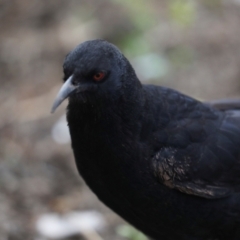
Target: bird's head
94,68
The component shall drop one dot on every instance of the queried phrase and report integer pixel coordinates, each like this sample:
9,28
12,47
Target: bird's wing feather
177,175
208,162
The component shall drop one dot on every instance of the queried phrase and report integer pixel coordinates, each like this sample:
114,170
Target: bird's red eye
98,76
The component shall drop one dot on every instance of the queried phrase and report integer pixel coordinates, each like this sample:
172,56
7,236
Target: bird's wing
208,165
177,175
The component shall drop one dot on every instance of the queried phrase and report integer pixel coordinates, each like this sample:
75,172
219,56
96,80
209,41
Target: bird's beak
66,89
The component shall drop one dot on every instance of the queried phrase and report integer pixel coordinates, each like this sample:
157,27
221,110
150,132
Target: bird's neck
115,110
106,120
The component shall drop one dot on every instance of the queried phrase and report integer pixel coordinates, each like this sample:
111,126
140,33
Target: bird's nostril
74,82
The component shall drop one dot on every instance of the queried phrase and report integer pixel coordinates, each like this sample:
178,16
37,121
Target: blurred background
192,46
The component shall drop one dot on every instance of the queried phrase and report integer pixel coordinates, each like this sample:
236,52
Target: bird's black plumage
165,162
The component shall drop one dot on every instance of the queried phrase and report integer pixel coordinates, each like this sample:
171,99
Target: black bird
165,162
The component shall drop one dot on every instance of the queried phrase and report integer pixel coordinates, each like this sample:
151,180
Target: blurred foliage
130,233
140,13
134,45
213,4
181,56
182,11
142,18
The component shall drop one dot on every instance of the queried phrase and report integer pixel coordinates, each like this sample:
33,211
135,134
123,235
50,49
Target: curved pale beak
66,89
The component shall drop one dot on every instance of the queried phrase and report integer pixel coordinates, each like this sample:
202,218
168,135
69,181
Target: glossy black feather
165,162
